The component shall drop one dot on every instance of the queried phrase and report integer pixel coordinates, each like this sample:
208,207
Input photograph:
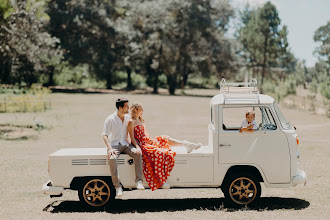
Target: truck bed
102,151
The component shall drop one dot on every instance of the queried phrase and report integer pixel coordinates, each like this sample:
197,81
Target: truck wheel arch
244,168
76,181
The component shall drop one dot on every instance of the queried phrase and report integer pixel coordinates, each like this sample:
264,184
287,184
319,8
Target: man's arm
110,149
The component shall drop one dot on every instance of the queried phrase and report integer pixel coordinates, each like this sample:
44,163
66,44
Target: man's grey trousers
131,151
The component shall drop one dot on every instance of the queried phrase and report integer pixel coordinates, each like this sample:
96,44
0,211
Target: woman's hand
138,150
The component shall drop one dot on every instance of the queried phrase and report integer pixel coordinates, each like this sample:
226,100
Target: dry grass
76,121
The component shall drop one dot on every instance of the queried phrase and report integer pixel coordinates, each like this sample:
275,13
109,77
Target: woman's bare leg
175,142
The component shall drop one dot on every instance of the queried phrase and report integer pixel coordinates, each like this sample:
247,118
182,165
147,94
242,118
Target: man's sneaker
166,186
119,191
139,185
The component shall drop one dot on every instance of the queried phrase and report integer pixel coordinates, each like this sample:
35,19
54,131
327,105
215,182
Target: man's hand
111,152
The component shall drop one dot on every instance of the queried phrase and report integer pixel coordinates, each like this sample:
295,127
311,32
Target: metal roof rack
239,92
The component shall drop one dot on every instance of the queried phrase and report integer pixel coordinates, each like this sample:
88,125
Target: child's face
249,118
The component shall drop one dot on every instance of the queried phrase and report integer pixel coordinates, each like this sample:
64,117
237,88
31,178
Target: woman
157,156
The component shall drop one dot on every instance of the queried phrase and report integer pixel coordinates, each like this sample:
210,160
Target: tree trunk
263,65
171,81
50,76
155,82
5,70
129,79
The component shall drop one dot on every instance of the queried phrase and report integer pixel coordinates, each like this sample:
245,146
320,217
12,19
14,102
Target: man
116,139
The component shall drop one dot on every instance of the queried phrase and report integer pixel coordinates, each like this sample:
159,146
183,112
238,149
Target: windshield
285,124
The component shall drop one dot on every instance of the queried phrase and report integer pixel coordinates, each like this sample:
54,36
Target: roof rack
240,92
241,87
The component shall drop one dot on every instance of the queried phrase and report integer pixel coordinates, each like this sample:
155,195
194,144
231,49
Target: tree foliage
26,48
265,43
322,35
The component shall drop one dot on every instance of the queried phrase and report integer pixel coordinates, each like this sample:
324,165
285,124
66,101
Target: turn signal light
297,141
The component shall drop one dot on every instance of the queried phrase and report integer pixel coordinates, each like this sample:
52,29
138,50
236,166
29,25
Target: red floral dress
158,159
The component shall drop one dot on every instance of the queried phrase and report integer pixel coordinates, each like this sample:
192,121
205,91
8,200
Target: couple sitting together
153,156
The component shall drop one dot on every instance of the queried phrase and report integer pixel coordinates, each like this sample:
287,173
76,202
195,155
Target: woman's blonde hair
134,108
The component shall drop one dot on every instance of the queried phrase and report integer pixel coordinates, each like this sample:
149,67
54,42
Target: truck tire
96,192
241,189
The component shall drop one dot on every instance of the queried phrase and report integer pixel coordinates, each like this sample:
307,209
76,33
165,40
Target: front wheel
96,192
241,189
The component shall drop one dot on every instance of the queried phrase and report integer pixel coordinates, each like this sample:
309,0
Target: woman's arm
130,129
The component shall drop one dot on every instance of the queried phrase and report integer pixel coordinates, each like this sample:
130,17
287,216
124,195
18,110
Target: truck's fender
249,168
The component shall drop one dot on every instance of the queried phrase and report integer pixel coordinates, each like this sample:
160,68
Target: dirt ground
76,120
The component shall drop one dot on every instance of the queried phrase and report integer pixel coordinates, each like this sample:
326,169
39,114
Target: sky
303,18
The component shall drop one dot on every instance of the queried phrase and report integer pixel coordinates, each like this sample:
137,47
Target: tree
26,49
202,46
181,37
322,35
265,44
88,31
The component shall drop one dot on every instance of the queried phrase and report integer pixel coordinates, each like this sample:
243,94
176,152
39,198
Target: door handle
225,145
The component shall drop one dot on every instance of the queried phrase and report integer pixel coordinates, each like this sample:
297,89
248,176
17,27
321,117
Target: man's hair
121,102
250,112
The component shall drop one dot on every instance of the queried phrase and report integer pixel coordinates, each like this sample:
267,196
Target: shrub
325,89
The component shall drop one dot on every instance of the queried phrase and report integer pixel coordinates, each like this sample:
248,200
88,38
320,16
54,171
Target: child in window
249,124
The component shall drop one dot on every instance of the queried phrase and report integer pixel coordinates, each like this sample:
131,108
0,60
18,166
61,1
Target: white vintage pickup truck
236,162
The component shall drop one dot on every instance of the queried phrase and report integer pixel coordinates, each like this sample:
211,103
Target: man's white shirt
116,129
246,124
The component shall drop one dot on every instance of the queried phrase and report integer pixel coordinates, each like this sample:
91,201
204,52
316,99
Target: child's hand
240,130
250,126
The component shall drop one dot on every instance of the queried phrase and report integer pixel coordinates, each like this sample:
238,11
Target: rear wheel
96,192
241,189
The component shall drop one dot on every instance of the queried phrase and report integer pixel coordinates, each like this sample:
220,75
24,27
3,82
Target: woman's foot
191,146
166,186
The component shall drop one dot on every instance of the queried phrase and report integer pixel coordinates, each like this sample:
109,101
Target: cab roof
241,98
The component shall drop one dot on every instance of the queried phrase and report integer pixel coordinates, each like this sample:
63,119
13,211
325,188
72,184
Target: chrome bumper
299,178
51,190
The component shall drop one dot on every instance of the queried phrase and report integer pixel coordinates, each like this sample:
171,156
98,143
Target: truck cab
235,161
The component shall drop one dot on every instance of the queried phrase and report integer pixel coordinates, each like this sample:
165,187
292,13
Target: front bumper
51,190
299,178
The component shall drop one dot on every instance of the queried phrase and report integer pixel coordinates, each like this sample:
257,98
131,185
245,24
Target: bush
138,81
325,89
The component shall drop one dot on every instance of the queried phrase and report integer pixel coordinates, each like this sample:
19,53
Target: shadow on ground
172,205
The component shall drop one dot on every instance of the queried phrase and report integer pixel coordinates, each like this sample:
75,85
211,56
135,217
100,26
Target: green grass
34,99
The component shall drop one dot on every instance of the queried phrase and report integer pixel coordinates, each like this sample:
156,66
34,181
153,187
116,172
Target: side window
268,121
233,117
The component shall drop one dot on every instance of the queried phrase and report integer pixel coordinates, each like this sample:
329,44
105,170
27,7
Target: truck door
266,147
